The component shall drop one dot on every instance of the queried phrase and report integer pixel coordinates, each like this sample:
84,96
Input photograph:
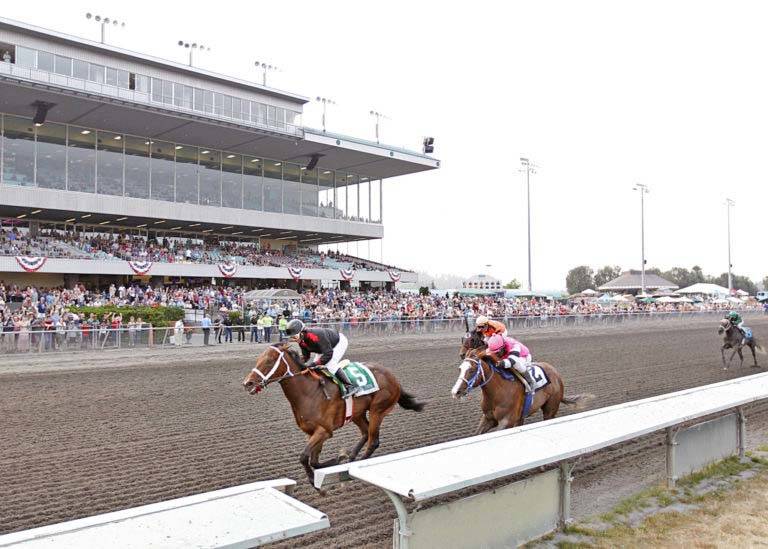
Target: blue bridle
479,371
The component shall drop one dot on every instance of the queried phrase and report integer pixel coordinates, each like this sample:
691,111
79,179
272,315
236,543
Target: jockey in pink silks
510,353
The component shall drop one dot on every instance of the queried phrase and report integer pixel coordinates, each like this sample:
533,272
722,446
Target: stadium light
728,204
192,47
528,168
104,21
378,116
643,191
264,68
325,101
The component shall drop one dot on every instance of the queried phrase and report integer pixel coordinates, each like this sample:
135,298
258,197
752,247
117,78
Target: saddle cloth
359,374
538,375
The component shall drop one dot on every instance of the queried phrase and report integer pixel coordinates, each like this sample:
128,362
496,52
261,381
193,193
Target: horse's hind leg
374,424
551,407
362,423
754,356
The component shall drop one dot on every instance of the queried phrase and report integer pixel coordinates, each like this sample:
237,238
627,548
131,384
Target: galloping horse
503,400
732,339
318,413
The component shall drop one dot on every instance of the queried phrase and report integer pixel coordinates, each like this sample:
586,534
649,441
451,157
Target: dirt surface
99,432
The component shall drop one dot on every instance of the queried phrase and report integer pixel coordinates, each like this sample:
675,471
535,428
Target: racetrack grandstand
169,171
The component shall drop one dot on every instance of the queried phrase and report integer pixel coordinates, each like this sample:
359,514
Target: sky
600,95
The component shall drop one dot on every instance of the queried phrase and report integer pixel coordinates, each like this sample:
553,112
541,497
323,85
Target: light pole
192,47
264,68
528,168
728,204
643,191
325,101
378,116
103,21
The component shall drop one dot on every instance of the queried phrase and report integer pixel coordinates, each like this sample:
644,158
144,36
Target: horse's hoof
321,492
343,457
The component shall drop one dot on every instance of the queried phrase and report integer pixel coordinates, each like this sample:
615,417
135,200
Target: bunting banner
295,272
347,274
394,275
30,263
228,270
140,267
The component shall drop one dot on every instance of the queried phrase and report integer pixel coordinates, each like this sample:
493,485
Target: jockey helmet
481,321
294,327
733,315
495,343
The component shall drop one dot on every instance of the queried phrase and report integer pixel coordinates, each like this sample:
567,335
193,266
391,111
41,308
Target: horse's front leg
741,356
311,452
486,424
722,354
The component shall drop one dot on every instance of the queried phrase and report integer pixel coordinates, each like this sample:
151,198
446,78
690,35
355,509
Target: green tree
579,279
606,274
765,283
697,274
681,276
739,282
513,284
424,290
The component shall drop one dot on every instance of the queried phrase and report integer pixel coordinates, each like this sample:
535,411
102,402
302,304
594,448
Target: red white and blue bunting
140,267
30,263
295,272
347,274
394,275
228,270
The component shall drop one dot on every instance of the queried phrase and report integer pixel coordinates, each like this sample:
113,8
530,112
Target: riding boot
529,378
349,388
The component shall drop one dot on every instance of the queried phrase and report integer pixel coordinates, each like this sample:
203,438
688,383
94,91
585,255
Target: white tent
667,299
742,293
619,299
704,289
589,291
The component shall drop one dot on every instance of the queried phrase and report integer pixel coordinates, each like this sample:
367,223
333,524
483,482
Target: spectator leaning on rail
328,344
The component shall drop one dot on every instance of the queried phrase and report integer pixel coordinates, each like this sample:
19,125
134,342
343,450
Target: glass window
232,181
262,114
218,103
186,174
376,201
352,198
167,92
291,189
178,94
237,108
226,109
26,57
208,95
136,167
210,178
341,196
273,186
161,183
364,194
187,101
199,100
81,162
109,163
45,61
246,113
252,183
111,78
157,90
52,156
80,69
280,117
309,192
96,73
18,151
63,65
271,115
327,199
124,79
142,83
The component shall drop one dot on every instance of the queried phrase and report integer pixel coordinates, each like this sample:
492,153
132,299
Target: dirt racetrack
77,442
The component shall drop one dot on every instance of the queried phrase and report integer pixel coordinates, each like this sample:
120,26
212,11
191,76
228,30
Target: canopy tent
704,289
742,293
619,299
589,291
271,294
605,298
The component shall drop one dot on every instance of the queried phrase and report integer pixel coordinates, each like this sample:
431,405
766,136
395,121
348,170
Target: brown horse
503,400
732,339
319,412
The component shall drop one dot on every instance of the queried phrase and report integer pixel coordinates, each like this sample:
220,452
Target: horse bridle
265,379
480,371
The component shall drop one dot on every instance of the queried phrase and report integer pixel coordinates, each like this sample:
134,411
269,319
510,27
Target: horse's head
725,325
471,340
471,373
276,363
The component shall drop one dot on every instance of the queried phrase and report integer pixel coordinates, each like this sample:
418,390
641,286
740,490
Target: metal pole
642,240
102,33
323,116
528,192
729,203
190,56
264,77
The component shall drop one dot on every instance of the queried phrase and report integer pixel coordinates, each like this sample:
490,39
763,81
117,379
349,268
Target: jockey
489,327
510,352
329,345
736,320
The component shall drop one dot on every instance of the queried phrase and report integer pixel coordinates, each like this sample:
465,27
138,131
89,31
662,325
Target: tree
579,279
739,282
606,274
424,290
697,274
682,276
513,284
765,283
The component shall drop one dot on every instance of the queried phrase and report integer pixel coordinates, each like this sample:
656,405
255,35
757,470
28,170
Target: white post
728,204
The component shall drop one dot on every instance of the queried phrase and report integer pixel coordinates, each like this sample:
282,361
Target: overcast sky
600,94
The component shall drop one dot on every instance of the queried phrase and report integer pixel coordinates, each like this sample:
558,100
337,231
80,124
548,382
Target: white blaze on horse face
462,374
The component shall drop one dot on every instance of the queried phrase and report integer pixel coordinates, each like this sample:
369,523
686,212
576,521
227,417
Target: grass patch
726,468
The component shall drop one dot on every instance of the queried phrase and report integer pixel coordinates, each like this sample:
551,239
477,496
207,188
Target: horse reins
480,371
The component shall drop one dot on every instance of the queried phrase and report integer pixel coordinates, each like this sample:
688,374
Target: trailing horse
503,401
732,339
319,412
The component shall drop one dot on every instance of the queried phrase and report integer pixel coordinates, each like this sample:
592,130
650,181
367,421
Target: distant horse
732,339
319,414
503,400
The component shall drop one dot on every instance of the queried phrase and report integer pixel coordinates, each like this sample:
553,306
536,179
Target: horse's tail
409,402
759,348
580,401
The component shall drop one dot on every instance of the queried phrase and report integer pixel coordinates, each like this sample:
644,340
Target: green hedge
157,316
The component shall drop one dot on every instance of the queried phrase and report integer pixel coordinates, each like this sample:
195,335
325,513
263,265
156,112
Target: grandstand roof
632,280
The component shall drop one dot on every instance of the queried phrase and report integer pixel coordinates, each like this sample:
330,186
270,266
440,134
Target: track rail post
742,433
671,442
403,530
566,478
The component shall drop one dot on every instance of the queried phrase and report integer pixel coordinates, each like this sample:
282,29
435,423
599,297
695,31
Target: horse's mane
293,349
